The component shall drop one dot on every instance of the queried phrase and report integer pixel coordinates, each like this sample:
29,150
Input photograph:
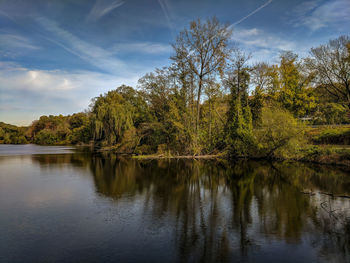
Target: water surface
83,207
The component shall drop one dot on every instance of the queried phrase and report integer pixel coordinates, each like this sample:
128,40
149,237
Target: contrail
252,13
236,23
165,7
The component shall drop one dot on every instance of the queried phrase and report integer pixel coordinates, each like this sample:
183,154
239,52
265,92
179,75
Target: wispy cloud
316,14
252,13
142,47
164,4
2,13
102,8
14,41
262,39
90,53
266,46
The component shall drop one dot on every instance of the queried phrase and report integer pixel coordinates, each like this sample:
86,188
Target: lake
60,204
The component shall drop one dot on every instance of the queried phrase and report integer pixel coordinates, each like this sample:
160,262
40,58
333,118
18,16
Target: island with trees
213,102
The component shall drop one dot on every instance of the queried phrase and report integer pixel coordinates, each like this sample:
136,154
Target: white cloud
142,47
265,46
261,39
316,15
102,8
26,94
13,41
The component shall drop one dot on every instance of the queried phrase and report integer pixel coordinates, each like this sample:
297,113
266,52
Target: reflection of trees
78,160
217,210
220,210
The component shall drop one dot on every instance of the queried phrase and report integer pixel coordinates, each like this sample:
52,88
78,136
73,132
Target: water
83,207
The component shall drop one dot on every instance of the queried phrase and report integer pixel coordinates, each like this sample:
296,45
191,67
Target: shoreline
333,159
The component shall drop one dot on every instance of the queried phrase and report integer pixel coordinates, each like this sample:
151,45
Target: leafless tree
331,65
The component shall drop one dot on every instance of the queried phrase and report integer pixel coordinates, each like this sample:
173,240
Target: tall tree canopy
203,49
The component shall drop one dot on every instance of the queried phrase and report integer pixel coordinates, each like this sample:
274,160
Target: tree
256,105
260,75
204,49
294,94
239,136
331,64
112,116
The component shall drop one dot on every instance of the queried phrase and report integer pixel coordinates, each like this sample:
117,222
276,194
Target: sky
56,55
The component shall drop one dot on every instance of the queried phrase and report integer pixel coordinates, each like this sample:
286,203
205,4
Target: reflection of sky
56,55
29,149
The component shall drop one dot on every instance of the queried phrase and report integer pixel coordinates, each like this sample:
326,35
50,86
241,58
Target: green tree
204,49
112,116
294,94
239,136
256,105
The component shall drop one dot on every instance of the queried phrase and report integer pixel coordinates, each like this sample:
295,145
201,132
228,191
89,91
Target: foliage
11,134
211,100
46,137
280,134
294,94
112,115
239,127
203,49
256,105
331,113
333,136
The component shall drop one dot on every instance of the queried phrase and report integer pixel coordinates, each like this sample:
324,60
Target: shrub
46,137
280,134
333,136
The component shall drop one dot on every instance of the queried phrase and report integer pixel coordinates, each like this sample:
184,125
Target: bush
46,137
144,149
333,136
280,134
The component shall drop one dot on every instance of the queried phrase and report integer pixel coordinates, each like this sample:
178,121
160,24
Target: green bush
333,136
280,134
46,137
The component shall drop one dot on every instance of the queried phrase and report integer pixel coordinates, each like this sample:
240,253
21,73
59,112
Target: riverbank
317,154
157,156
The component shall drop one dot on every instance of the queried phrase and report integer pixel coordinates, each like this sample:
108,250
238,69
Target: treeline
50,130
211,100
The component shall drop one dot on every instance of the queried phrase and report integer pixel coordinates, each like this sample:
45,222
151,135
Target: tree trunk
210,122
198,104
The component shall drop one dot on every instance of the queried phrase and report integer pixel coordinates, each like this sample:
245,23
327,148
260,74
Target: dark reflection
243,211
222,210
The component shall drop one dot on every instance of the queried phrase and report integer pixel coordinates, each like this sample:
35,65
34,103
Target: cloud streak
164,4
102,8
315,15
14,41
92,54
266,46
250,14
142,47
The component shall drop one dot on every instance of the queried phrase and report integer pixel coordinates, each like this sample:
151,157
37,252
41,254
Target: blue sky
56,55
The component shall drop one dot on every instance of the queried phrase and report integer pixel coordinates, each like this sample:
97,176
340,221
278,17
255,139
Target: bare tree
261,75
204,49
331,65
